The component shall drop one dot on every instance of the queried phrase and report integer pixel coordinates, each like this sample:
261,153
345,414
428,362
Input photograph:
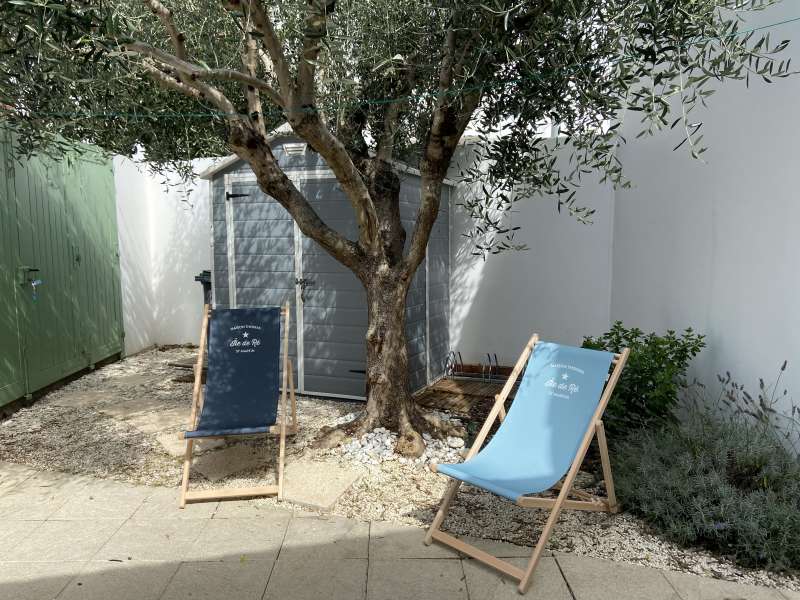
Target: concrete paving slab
30,507
102,500
15,532
245,580
393,540
501,549
82,398
174,446
136,380
157,539
48,481
131,580
8,484
240,539
128,407
63,541
35,581
487,584
219,464
694,587
155,422
9,468
244,509
317,485
163,503
595,579
11,475
39,496
337,579
416,579
325,538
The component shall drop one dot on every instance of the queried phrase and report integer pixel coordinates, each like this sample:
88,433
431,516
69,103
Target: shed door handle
24,274
303,283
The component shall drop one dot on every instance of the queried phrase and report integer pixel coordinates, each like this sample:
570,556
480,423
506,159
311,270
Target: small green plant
647,392
724,478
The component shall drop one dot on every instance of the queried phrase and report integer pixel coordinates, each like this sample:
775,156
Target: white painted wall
136,267
164,236
716,245
712,246
560,287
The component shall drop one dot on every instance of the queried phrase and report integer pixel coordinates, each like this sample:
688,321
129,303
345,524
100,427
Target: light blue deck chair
556,412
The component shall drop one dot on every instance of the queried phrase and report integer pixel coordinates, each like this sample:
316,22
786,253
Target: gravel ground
84,440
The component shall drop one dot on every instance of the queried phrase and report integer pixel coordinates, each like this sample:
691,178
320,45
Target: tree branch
169,81
245,137
214,95
306,122
193,72
165,15
451,115
272,43
392,114
385,145
273,181
254,107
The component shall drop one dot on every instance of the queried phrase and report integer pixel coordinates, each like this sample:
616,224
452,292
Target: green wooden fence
60,299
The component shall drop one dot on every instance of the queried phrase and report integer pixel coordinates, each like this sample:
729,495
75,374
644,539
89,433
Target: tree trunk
389,402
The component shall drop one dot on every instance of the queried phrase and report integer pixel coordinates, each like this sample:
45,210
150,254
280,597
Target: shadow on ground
74,538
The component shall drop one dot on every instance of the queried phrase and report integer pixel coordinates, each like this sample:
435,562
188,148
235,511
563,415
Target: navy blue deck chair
556,412
243,388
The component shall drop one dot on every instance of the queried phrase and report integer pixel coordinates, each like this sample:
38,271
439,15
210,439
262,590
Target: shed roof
285,132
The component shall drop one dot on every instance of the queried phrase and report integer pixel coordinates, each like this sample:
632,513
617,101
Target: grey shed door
333,304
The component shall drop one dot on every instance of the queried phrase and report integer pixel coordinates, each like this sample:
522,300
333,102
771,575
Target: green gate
60,301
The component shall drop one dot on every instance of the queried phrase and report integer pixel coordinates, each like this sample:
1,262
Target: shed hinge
229,196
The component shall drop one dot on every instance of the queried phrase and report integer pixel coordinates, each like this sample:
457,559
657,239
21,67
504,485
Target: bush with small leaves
720,479
648,389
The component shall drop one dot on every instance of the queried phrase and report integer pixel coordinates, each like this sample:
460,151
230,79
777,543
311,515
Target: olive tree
367,83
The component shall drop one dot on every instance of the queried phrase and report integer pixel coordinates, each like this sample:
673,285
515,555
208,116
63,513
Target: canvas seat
208,433
244,384
556,412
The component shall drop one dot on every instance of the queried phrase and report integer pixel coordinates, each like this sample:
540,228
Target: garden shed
261,258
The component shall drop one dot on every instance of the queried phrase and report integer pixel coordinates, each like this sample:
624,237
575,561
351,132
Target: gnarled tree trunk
389,402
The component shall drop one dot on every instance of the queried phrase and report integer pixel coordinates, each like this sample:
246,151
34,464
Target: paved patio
77,538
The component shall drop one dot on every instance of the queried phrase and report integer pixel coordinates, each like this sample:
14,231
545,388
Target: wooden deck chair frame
586,502
281,428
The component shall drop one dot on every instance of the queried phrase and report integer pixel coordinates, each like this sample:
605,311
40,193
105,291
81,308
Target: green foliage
722,480
647,391
577,64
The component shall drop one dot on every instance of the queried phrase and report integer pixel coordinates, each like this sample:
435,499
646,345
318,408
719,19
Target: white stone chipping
378,446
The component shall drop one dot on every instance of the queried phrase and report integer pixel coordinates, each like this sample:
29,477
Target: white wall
716,245
712,246
164,235
136,272
560,287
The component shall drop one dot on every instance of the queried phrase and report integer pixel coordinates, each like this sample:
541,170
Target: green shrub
726,481
647,391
